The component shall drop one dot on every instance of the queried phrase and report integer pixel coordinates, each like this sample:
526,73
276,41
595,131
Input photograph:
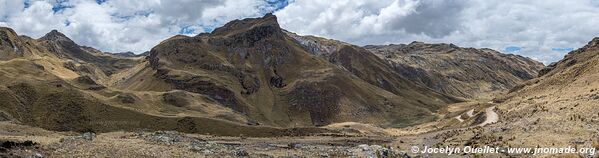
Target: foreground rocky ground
356,140
35,142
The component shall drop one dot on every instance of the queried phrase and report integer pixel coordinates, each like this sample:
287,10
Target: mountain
58,85
66,49
463,72
365,65
557,109
255,68
560,106
8,44
248,77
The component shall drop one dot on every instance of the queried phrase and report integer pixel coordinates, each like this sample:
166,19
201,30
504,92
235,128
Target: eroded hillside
248,74
464,72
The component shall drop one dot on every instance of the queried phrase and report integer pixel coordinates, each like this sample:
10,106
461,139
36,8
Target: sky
544,30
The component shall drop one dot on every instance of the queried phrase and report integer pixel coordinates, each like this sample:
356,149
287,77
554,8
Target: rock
578,141
89,136
206,147
377,151
166,137
36,155
196,146
324,155
277,81
368,152
241,153
294,145
403,155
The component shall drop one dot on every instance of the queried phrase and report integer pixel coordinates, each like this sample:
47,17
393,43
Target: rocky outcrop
9,44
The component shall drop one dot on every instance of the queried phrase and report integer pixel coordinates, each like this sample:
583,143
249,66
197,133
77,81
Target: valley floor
174,144
460,126
22,141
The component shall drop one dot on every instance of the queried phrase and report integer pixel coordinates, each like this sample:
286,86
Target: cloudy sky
541,29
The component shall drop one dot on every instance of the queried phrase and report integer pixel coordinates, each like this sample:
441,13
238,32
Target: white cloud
124,25
537,26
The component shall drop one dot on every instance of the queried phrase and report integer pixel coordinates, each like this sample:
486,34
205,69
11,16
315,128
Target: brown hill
247,77
253,67
58,85
365,65
557,109
9,48
463,72
560,107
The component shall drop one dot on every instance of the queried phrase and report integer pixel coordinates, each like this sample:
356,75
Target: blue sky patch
144,13
100,1
187,30
562,49
67,23
277,4
60,6
208,29
512,49
27,4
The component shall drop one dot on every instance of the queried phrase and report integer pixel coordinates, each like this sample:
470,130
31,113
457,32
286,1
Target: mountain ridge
257,53
454,70
250,73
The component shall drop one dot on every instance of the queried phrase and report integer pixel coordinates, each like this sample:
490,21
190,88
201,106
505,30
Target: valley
253,89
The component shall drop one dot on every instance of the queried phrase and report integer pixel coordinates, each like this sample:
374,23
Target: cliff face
463,72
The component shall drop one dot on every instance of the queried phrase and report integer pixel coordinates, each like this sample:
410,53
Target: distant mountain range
464,72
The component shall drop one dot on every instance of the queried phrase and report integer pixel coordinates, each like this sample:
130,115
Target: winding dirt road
492,117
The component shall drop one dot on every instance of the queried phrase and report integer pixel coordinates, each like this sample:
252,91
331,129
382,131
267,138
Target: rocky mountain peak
6,30
7,34
264,26
593,43
54,35
416,43
9,44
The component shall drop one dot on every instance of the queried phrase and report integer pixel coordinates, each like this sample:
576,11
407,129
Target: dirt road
492,117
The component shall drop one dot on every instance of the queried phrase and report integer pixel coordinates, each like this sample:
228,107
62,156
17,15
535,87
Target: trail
470,113
492,117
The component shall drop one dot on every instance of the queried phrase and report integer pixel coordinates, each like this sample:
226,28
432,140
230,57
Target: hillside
205,95
254,68
557,109
247,77
58,85
463,72
566,95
